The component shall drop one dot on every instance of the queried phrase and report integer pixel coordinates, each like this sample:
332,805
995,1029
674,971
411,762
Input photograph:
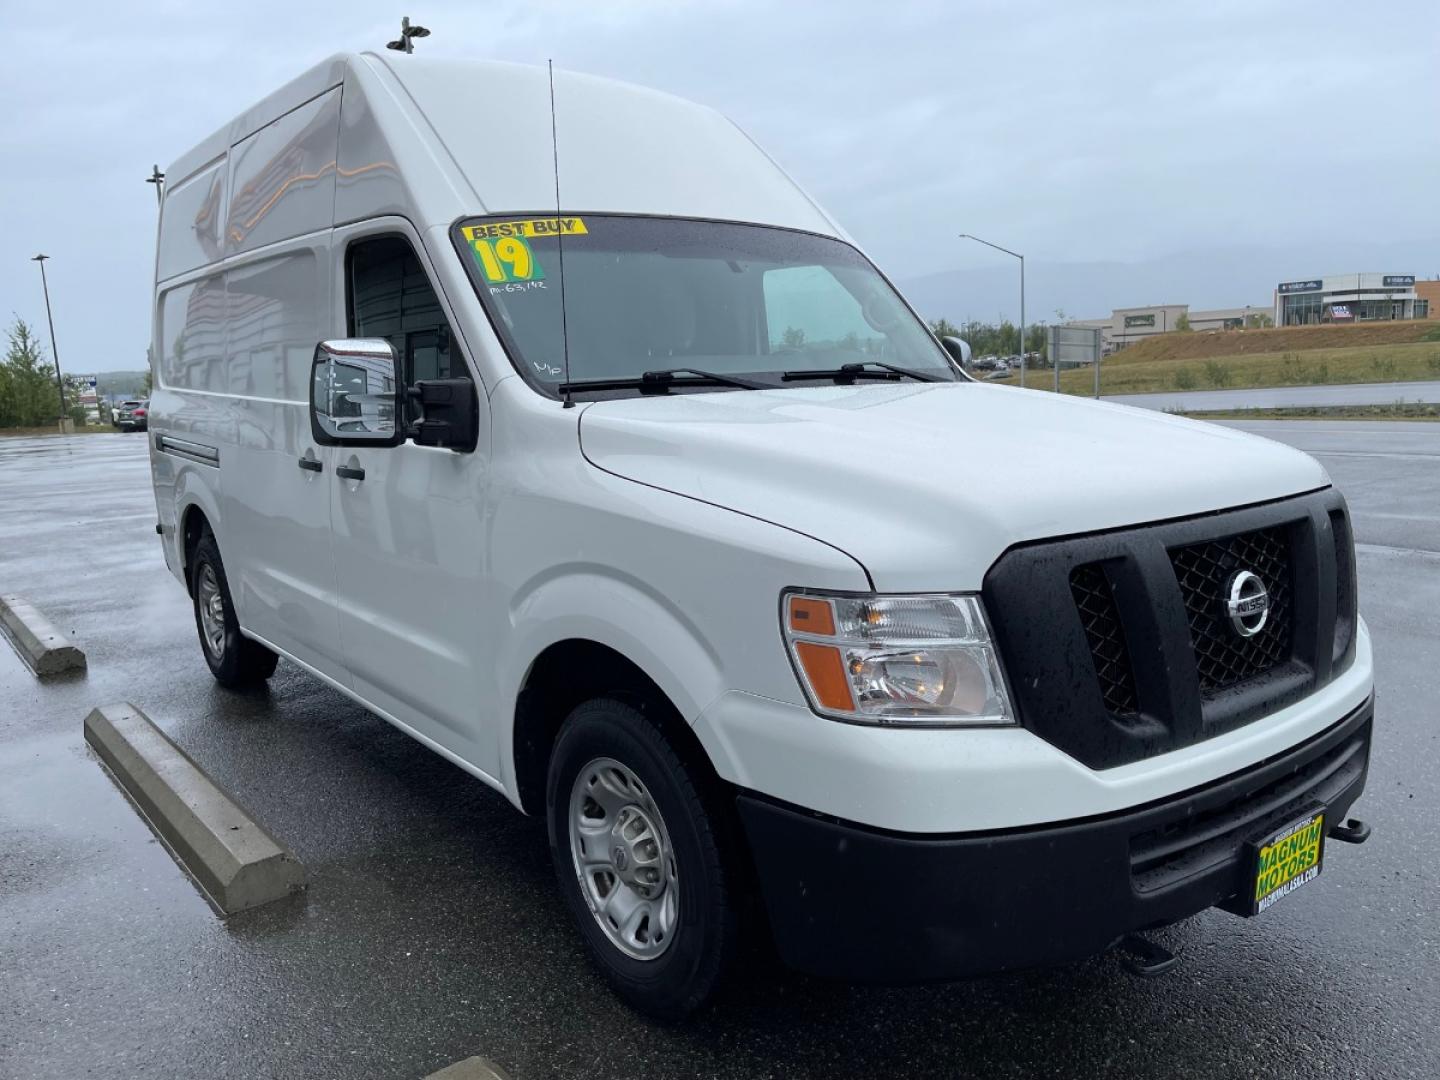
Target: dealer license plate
1287,859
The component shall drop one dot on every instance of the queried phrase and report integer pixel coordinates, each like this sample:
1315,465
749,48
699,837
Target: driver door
406,524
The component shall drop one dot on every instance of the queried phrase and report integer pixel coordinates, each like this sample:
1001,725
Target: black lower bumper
859,903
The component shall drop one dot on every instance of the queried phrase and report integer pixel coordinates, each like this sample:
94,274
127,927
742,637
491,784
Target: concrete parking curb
472,1068
234,861
42,647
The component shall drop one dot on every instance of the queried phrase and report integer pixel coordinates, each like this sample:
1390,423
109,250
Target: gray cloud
1074,132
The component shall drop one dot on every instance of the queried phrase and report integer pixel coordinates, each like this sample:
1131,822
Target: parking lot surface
432,929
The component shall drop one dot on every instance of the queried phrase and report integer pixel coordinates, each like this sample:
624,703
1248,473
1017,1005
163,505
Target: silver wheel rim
211,605
623,859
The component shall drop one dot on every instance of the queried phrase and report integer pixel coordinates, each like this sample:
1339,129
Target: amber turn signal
825,671
811,616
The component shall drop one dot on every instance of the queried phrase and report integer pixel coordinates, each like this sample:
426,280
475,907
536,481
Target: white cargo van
651,509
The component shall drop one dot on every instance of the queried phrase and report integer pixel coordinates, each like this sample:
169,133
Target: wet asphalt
432,930
1279,397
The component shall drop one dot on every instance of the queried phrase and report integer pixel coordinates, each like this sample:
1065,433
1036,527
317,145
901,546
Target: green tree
945,328
1035,338
793,337
1258,321
28,397
1182,322
74,388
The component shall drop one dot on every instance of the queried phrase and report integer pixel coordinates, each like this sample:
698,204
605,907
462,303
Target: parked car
133,415
658,559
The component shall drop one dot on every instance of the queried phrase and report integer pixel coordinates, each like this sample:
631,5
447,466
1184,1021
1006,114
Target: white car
648,511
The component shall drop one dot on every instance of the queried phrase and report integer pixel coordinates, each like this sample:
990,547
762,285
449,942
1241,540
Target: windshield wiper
858,371
660,382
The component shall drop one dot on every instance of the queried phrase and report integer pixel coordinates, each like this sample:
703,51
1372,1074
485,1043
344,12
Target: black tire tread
246,663
704,806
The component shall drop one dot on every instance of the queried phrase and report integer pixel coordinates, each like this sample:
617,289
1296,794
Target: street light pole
1016,254
49,318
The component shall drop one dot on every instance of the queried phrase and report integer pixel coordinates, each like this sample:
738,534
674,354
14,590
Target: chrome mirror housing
355,393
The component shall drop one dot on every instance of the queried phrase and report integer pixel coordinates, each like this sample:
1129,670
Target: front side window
390,297
657,294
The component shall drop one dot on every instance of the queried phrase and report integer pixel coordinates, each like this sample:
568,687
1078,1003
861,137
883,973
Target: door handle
310,464
350,472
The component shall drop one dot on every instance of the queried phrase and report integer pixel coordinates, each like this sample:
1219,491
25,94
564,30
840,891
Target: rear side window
390,297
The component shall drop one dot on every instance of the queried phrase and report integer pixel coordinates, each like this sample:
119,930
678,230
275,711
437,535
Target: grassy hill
1293,356
1200,345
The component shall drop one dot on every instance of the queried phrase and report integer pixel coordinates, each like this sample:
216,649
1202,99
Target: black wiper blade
858,371
660,382
668,376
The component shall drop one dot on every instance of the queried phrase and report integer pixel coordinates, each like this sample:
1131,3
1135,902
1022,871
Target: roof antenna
158,179
559,238
404,43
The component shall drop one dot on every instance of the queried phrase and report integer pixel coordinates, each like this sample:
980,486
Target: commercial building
1349,298
1427,299
1126,326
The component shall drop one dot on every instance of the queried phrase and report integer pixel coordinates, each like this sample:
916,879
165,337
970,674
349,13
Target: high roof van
570,436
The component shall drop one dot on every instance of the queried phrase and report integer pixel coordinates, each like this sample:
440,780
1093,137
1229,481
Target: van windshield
656,294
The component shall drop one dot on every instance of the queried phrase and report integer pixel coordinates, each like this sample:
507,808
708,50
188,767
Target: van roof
474,137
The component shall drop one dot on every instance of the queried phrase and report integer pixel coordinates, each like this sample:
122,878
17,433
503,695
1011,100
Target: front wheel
643,858
234,659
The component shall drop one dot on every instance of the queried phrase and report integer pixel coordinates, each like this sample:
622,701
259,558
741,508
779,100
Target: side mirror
959,351
449,414
355,393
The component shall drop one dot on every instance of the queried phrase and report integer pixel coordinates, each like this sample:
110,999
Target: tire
663,971
234,659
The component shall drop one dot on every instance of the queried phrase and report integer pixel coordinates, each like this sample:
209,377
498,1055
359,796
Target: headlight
920,660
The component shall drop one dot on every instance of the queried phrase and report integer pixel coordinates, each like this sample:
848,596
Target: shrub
1217,373
1184,379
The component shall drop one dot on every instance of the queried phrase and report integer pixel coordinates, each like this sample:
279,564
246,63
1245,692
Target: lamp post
1016,254
49,318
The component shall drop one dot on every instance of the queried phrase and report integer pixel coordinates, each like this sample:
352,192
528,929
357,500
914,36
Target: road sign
1073,346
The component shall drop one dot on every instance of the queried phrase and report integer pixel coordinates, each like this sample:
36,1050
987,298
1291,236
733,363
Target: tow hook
1353,831
1144,957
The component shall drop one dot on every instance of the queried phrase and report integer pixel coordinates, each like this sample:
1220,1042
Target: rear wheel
643,858
234,659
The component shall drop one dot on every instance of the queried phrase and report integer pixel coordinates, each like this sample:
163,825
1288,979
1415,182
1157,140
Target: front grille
1345,605
1118,646
1168,855
1222,657
1096,605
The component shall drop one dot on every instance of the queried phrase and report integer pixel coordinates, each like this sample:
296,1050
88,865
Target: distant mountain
1223,277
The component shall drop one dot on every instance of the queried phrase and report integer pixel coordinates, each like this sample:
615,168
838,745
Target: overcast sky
1074,132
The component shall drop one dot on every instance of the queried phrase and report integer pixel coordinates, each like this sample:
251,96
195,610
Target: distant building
1349,298
1427,299
1126,326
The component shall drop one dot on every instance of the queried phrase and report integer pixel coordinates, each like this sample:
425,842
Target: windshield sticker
503,251
508,258
543,228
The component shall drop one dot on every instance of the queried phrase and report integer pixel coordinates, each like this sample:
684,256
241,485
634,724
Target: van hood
926,484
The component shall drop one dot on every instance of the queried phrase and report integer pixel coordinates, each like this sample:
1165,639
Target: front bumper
859,903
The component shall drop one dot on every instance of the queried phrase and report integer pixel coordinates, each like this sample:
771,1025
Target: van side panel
190,224
235,334
282,178
278,558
